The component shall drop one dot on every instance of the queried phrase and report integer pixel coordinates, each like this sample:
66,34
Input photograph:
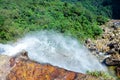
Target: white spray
55,49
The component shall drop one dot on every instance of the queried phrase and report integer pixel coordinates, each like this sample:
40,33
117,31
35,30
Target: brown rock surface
29,70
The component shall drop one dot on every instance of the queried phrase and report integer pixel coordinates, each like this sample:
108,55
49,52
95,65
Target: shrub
101,74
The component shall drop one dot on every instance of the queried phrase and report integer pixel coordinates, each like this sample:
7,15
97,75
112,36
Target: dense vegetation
79,19
98,7
101,74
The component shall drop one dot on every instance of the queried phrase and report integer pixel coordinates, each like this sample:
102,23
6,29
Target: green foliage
1,21
102,75
22,16
99,7
101,20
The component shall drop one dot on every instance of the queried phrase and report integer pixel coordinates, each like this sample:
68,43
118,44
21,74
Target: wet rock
108,44
30,70
119,51
112,62
118,71
22,55
110,52
116,25
12,62
88,41
113,45
91,46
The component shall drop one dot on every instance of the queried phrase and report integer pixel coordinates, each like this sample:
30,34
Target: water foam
55,49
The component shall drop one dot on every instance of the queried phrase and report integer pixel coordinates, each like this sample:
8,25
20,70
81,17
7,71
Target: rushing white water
55,49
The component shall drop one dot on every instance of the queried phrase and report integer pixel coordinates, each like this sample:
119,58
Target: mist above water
55,49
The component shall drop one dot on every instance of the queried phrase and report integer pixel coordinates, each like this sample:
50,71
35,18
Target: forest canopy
80,19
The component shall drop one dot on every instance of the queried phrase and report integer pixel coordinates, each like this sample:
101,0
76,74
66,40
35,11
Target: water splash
55,49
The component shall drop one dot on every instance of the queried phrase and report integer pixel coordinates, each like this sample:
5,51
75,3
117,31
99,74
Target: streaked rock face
4,66
29,70
21,67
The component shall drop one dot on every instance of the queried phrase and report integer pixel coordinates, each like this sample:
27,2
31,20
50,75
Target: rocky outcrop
107,47
29,70
118,71
116,25
21,67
